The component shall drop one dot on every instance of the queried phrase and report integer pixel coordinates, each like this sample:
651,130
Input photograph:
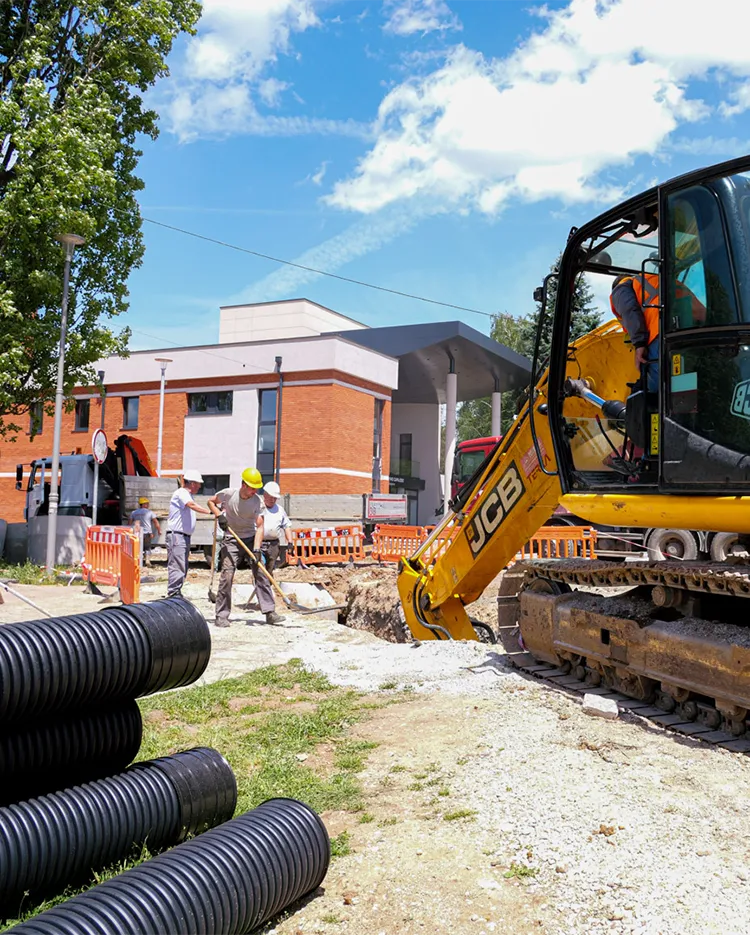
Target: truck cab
76,487
470,454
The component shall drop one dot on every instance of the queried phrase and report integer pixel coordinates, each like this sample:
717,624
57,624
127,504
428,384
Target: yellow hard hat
251,477
142,500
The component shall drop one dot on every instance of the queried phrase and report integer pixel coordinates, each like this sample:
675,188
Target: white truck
117,497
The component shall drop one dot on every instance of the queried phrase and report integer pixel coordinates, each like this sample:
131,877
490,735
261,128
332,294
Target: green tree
72,79
474,418
584,316
519,334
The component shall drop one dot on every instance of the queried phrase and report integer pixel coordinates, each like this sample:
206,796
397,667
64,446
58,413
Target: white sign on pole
386,506
99,449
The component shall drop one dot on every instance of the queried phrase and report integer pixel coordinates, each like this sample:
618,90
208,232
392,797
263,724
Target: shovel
292,605
211,592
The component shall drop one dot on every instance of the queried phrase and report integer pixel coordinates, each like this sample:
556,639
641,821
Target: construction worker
180,526
243,515
275,526
635,304
145,516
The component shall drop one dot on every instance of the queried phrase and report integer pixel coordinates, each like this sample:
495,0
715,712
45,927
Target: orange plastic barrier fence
130,569
561,542
105,556
321,546
390,543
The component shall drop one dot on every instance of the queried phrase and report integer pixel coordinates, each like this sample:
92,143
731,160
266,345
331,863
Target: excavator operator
635,304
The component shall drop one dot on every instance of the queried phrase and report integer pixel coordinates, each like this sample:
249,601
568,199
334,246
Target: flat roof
425,351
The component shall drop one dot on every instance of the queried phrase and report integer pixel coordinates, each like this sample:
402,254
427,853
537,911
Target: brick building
303,393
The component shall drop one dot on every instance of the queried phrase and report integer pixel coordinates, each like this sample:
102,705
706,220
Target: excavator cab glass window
706,362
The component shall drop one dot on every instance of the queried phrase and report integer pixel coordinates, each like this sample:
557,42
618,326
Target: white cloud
602,82
423,16
215,89
317,177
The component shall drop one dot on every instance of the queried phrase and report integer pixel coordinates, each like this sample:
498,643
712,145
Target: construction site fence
112,558
326,546
391,543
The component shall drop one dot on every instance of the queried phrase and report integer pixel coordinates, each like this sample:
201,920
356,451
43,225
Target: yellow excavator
595,437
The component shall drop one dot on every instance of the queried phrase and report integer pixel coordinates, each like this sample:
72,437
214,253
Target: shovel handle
261,566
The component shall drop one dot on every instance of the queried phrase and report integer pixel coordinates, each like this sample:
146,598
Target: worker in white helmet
275,527
180,526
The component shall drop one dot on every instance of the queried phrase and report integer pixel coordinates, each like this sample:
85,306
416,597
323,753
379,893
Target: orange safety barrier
561,542
103,560
130,569
326,546
390,543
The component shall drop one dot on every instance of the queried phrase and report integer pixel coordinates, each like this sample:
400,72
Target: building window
404,452
213,483
82,415
210,403
130,412
266,458
377,444
36,419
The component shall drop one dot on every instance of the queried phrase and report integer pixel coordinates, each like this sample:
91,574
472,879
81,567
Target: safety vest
646,290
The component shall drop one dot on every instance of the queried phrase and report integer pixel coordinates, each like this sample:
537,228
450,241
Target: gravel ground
623,827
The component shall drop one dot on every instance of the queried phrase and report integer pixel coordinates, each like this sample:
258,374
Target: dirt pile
375,606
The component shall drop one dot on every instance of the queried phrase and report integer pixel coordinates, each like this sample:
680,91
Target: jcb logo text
496,505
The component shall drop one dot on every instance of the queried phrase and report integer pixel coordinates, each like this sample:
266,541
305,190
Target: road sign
386,506
99,447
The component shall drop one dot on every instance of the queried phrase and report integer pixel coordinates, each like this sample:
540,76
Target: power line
320,272
200,350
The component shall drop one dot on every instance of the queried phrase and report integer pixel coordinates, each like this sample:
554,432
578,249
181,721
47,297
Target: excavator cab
608,431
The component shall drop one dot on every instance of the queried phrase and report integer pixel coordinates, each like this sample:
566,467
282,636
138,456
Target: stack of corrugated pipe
70,806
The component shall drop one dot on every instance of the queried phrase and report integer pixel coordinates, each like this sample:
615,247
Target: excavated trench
368,592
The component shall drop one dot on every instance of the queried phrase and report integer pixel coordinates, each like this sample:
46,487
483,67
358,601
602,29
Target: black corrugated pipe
49,843
230,881
121,652
57,752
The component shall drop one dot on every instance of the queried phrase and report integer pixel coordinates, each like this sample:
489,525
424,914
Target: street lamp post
70,242
163,361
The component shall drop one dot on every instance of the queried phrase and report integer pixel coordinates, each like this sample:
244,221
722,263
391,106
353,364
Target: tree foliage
72,79
519,334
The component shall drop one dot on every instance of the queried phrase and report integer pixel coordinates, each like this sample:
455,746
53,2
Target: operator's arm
215,504
631,315
155,524
197,509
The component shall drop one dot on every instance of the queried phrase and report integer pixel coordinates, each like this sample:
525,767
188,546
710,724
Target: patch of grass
398,768
366,818
28,573
421,775
330,918
340,846
444,791
388,822
349,754
519,872
459,813
415,787
388,685
462,761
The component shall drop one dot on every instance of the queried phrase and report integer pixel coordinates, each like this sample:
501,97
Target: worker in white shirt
180,526
275,526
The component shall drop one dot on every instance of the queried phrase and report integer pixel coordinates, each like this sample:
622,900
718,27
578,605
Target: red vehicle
469,455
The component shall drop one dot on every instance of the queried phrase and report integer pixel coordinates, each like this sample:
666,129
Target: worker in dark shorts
241,510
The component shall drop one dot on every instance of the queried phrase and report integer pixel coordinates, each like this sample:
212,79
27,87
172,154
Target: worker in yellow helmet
241,509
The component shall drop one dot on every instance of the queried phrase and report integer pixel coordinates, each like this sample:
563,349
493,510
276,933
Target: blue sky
434,147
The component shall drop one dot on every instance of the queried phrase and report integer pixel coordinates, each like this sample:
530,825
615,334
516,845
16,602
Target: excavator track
650,649
707,578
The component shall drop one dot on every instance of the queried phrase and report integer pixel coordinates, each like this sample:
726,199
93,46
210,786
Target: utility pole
70,242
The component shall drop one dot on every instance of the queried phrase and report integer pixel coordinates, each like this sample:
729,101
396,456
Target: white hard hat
194,476
272,489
